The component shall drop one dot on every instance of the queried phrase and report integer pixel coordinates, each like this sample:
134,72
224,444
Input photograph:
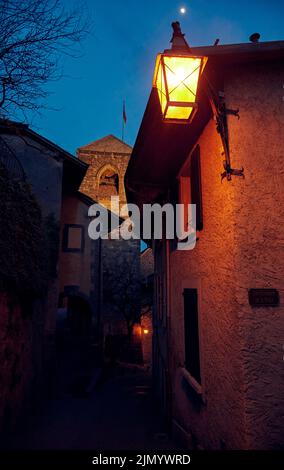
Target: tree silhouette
34,35
129,295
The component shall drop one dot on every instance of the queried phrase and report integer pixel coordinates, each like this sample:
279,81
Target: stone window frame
65,239
198,388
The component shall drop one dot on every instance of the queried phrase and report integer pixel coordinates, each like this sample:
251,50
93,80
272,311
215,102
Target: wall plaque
263,297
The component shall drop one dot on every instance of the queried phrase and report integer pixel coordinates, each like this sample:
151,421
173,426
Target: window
73,238
185,198
195,183
175,199
191,333
190,191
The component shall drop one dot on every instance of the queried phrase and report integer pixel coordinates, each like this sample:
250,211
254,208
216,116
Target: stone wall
21,358
118,256
105,154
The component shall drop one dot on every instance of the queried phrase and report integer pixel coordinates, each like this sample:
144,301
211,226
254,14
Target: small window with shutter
190,191
191,333
195,183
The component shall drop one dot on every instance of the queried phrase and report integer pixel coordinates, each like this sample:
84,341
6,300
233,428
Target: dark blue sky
118,59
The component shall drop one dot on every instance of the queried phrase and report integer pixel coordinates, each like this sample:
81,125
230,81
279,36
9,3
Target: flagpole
122,133
123,120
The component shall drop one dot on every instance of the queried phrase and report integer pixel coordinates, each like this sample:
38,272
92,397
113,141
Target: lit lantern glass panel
176,79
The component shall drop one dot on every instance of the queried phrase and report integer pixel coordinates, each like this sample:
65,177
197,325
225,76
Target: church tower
107,159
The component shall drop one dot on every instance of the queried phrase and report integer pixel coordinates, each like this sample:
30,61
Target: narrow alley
94,408
141,234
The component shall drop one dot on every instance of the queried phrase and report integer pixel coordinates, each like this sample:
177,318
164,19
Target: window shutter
191,333
174,199
196,190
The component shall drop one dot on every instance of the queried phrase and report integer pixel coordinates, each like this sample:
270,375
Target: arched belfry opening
107,159
108,183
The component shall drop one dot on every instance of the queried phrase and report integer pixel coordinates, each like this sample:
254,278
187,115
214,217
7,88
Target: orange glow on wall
176,78
137,330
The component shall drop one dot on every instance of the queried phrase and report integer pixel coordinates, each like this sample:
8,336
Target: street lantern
176,78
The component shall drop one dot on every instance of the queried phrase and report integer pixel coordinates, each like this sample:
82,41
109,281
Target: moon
182,10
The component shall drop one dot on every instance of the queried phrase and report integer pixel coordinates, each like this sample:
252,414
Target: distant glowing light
182,10
145,331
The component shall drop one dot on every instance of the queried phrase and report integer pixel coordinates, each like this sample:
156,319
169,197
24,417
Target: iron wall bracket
220,113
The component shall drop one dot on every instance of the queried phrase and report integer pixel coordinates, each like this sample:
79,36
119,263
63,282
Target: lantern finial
178,41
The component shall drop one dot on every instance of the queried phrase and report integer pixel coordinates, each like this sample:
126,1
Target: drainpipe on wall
100,301
168,335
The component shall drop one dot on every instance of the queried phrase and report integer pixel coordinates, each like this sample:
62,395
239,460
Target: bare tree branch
123,291
34,35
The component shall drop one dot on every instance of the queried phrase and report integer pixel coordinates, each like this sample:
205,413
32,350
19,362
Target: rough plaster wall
257,144
240,247
210,268
160,329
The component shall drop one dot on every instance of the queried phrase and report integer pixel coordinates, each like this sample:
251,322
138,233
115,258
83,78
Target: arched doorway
75,353
74,319
80,317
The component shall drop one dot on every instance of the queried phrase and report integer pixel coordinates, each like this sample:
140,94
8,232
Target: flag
124,113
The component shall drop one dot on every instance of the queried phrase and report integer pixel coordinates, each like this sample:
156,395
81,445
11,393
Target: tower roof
108,144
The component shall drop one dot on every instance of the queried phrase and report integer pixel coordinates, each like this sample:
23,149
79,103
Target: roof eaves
7,125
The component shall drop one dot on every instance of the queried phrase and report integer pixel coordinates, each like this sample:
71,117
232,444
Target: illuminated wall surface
241,347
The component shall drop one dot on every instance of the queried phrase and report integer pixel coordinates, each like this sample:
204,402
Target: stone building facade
108,159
